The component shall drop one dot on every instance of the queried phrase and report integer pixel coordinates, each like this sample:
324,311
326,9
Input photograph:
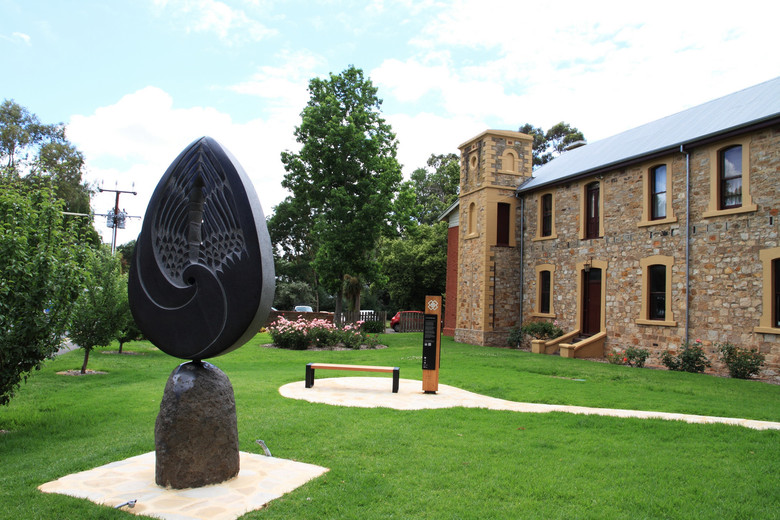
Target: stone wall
725,271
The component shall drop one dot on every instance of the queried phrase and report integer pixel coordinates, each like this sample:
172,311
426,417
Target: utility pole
115,219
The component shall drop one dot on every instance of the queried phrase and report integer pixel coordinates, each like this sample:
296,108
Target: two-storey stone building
664,233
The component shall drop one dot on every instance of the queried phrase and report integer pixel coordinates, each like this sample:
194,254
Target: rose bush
303,334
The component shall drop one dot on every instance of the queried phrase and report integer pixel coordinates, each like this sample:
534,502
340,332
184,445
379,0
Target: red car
395,322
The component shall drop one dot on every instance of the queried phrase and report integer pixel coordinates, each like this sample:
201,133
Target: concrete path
370,392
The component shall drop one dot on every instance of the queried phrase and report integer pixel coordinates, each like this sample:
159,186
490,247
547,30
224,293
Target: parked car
302,308
395,321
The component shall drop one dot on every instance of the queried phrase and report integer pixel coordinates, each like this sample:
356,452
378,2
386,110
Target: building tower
492,165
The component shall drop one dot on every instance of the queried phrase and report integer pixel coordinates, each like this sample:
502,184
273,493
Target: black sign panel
430,329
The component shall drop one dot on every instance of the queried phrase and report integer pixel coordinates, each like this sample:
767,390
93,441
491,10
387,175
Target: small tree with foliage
128,329
39,278
97,315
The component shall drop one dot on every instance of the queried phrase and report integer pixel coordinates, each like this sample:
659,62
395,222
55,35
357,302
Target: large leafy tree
39,278
552,143
346,172
99,314
31,151
433,189
416,265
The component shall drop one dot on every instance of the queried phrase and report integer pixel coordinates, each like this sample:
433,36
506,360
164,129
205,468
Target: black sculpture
202,278
201,284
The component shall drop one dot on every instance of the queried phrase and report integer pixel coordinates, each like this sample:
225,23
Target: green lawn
438,464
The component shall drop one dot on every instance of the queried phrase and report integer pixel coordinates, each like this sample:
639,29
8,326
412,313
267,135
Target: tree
40,279
347,173
128,329
434,188
290,228
33,151
97,314
416,266
549,145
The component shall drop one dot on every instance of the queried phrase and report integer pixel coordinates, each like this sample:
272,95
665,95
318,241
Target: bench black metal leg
396,374
309,376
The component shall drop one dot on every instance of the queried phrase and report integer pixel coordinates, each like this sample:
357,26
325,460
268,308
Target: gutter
522,250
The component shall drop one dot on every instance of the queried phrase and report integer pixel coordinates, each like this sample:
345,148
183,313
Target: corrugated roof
746,107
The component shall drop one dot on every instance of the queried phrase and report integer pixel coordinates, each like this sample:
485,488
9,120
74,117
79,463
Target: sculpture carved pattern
201,282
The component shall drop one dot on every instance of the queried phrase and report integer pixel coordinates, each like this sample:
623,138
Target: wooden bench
311,367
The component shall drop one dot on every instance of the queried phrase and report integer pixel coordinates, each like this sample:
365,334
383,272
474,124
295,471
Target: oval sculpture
202,277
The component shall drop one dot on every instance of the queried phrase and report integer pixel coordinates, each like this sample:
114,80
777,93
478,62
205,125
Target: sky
136,81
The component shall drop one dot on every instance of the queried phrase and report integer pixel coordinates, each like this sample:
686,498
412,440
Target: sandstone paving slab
370,392
260,480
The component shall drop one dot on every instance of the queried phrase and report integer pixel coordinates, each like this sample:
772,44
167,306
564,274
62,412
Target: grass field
437,464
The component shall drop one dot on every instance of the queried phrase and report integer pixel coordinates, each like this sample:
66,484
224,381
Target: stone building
664,233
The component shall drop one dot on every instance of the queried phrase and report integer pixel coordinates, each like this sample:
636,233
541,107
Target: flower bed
303,334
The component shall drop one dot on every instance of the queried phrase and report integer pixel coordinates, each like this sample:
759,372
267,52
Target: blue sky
136,81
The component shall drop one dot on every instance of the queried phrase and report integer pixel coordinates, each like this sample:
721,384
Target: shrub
742,363
302,334
373,327
690,359
617,358
542,329
515,338
636,357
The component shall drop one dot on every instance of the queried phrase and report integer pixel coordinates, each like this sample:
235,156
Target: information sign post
431,344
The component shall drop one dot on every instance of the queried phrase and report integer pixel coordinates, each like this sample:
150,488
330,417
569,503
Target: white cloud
130,144
231,25
600,66
17,37
286,87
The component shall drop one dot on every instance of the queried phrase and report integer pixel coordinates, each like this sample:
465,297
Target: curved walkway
371,392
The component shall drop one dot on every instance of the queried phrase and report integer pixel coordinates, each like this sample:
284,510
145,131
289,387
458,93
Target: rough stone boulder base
196,433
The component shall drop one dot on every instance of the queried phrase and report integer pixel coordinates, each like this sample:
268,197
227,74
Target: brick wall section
725,271
451,294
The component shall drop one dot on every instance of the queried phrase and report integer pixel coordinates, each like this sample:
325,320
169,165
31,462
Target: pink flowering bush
303,334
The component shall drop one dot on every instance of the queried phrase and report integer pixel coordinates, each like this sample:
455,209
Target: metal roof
741,109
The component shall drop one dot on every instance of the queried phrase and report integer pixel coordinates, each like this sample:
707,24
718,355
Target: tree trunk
120,345
337,309
86,358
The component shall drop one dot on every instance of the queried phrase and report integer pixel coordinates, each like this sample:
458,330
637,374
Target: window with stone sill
730,179
656,306
769,322
657,196
544,291
545,218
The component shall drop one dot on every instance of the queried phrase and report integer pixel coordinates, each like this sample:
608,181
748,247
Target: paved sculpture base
260,480
196,433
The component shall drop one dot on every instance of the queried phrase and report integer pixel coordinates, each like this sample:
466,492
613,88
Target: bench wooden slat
362,368
311,367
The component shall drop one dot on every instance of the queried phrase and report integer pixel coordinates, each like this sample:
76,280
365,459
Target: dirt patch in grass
78,373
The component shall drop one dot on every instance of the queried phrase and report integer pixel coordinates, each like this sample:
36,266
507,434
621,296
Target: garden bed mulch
78,373
337,347
128,352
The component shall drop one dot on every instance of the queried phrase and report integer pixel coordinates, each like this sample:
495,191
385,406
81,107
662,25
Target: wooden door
591,301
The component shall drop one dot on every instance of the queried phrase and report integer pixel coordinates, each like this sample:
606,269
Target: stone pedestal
196,433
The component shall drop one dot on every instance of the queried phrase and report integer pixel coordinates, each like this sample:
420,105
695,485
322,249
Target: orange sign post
431,344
